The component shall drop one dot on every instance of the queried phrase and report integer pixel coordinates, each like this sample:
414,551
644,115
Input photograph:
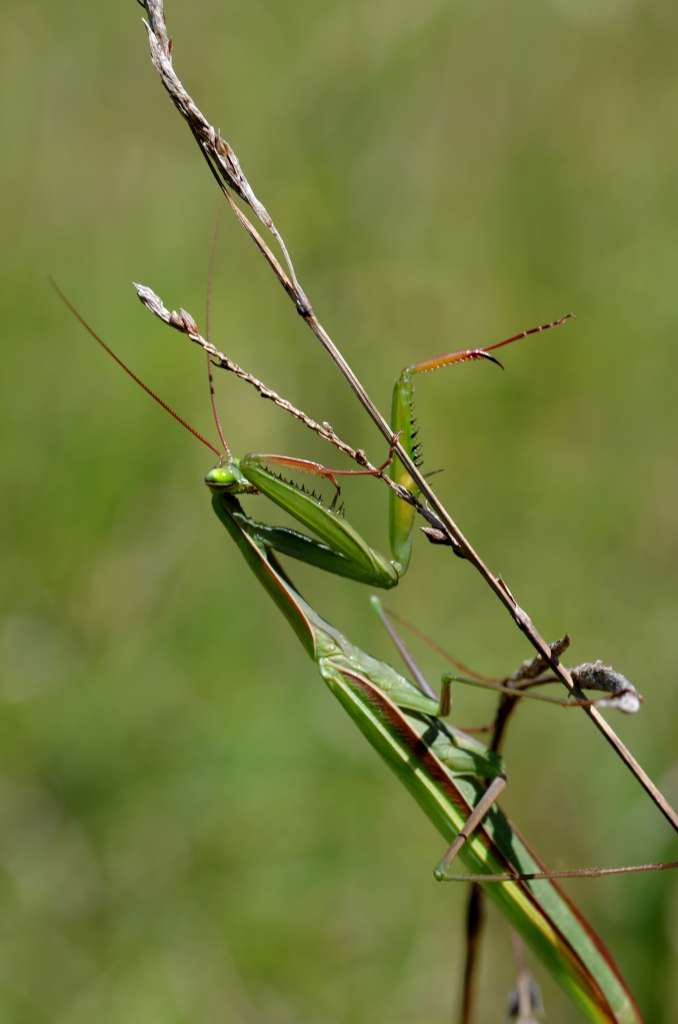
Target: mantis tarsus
445,769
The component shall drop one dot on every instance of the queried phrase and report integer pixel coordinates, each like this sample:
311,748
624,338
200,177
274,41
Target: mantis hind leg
491,794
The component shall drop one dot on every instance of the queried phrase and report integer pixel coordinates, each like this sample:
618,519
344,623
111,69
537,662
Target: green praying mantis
454,777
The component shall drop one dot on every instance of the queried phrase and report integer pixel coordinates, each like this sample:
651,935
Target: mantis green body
444,768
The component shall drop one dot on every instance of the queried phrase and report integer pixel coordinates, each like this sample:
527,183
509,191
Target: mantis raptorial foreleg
318,469
350,555
403,424
403,420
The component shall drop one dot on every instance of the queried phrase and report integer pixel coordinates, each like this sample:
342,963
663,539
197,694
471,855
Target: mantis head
228,477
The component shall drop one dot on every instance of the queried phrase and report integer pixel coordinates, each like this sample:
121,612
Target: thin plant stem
475,920
208,331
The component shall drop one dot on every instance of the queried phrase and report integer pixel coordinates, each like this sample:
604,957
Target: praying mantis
454,777
423,751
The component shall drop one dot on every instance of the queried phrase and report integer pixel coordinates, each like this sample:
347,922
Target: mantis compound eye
227,478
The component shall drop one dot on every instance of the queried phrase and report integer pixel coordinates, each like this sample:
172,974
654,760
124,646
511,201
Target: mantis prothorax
453,776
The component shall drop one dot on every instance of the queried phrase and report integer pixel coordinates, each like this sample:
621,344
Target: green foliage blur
190,828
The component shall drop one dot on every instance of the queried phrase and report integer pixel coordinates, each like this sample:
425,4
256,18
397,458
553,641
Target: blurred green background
190,828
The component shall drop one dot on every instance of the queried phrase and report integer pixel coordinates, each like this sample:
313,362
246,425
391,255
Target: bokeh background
190,828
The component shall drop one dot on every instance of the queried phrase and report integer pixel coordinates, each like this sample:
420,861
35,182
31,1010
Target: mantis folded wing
444,770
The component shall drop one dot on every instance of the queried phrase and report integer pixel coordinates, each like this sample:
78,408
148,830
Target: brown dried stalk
183,322
227,171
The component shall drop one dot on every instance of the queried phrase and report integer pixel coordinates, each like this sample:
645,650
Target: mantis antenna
208,325
168,408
